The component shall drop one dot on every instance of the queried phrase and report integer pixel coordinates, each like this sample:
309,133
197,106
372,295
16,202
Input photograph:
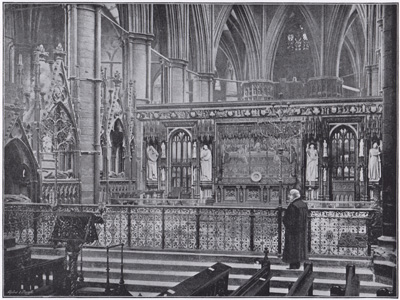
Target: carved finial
103,73
59,52
117,78
59,47
40,54
117,75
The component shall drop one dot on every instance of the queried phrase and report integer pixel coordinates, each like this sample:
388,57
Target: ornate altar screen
257,156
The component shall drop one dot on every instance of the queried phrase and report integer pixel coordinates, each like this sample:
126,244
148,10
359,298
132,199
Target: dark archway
20,171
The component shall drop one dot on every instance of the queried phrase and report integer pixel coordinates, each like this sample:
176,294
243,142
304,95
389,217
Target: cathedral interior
178,129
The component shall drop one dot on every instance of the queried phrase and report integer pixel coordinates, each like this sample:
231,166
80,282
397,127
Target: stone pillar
85,80
178,50
178,81
385,255
368,79
375,80
206,88
137,57
137,19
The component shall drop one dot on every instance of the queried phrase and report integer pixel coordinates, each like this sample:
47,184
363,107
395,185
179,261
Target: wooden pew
384,292
212,281
257,285
304,284
352,287
40,277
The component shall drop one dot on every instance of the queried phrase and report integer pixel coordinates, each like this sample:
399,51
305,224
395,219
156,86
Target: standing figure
163,155
312,164
163,174
374,164
325,151
361,152
152,156
194,152
295,221
205,164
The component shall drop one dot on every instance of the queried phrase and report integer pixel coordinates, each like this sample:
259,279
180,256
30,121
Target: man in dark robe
295,221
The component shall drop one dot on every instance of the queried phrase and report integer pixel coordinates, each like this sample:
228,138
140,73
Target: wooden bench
257,285
384,292
212,281
40,277
352,287
304,284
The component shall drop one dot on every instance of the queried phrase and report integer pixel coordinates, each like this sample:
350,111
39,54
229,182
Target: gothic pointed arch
353,53
240,41
285,17
58,135
220,24
117,141
252,39
338,17
20,164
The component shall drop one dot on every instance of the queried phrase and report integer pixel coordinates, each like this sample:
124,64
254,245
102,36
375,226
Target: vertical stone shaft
389,166
97,104
83,59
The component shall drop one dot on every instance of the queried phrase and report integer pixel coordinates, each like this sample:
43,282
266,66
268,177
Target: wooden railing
200,227
38,278
212,281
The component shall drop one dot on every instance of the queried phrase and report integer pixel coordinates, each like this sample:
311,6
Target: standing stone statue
205,164
163,174
374,164
361,152
152,156
312,164
194,152
325,151
163,155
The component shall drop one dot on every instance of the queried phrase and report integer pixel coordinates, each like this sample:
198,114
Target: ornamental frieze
267,111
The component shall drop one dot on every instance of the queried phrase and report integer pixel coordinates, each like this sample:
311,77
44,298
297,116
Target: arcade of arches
217,105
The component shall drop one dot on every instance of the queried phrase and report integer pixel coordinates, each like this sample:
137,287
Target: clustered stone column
85,74
385,254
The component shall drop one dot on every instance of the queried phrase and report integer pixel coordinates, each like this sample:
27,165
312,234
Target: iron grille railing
332,231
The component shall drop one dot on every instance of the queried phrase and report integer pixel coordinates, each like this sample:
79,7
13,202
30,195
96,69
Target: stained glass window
343,154
297,39
181,160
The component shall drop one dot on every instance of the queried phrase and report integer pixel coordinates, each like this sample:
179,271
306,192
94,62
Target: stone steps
150,272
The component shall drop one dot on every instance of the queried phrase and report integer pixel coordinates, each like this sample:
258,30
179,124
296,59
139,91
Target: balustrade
258,91
332,231
68,191
324,87
119,188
